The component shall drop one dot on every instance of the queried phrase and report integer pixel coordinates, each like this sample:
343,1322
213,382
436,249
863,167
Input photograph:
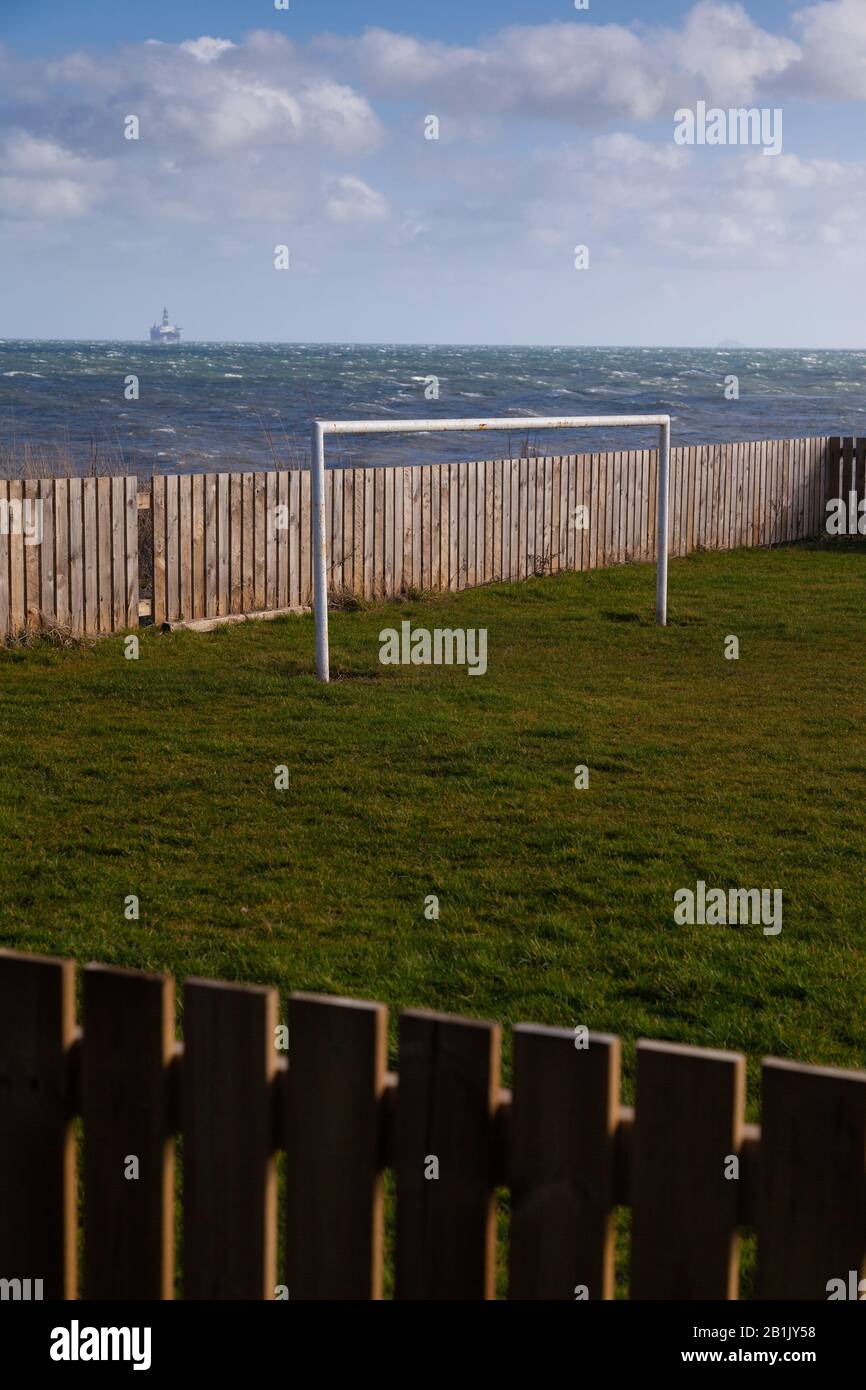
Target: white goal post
563,422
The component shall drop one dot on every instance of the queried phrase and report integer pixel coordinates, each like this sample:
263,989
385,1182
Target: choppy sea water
209,406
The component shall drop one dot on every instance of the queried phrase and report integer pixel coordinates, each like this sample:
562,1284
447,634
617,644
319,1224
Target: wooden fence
239,543
846,468
78,566
560,1140
232,543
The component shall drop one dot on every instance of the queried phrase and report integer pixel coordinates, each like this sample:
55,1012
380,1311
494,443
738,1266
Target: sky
307,128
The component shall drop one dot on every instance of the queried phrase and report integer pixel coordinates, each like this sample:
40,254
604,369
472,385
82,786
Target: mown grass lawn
156,778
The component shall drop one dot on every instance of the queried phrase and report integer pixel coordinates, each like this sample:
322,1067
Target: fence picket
127,1046
38,1220
334,1210
564,1113
449,1080
688,1123
228,1161
811,1223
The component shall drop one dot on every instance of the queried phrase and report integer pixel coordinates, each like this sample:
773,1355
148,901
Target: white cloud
41,179
352,201
280,140
580,71
731,55
207,50
833,37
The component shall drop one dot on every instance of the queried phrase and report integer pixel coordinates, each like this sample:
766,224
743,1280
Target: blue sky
306,128
51,26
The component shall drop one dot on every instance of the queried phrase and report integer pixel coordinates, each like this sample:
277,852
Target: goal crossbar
321,428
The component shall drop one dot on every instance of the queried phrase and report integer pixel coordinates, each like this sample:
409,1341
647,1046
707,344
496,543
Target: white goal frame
321,428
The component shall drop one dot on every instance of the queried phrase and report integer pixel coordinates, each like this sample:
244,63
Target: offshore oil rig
165,332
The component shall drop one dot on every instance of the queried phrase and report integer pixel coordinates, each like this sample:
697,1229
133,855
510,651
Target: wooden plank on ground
336,1079
688,1123
564,1112
229,1180
128,1211
811,1222
449,1085
38,1217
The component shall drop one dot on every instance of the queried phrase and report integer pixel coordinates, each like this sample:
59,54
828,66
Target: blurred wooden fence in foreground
560,1141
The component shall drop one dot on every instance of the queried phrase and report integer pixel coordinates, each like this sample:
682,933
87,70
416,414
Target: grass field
156,778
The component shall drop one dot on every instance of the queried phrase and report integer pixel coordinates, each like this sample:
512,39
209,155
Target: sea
71,407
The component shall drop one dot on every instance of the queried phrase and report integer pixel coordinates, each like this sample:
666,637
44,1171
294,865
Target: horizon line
418,343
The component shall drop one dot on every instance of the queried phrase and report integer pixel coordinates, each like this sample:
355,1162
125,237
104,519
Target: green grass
156,777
